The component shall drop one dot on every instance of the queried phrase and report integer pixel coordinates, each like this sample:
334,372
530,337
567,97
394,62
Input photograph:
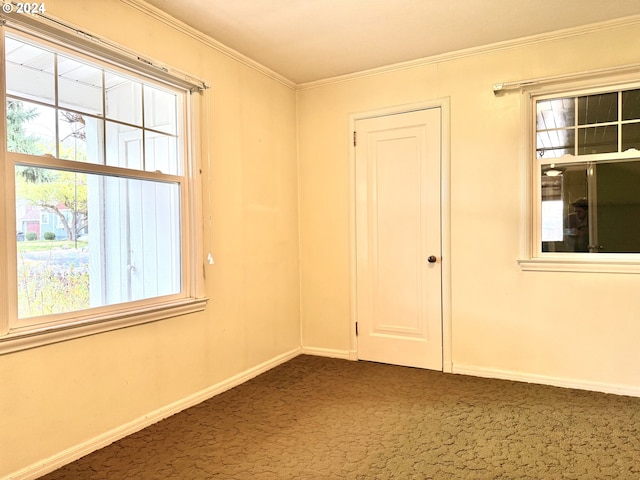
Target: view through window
99,176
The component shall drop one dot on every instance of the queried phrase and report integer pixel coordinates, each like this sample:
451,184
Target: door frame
445,218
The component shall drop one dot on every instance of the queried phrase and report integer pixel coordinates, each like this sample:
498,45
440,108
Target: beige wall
571,328
56,397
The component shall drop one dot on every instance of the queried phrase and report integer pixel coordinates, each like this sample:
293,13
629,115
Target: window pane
606,222
137,252
79,86
31,128
564,208
161,153
80,137
555,113
631,105
618,208
51,215
90,240
598,140
599,108
631,136
160,110
555,143
123,99
29,71
124,146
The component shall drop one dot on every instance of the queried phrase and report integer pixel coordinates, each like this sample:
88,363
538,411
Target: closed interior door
398,239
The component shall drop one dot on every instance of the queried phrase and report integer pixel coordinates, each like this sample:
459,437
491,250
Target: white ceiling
309,40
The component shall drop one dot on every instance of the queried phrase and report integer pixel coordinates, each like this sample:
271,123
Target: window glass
631,136
555,120
160,110
631,104
592,140
31,128
588,125
124,146
599,108
29,71
161,153
88,237
595,206
80,137
555,143
79,86
123,99
112,240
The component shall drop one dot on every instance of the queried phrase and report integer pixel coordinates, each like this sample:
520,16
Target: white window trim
530,257
111,318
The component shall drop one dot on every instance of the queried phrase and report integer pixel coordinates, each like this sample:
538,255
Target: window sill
46,335
584,264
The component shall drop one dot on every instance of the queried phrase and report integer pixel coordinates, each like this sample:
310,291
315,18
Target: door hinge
356,329
354,138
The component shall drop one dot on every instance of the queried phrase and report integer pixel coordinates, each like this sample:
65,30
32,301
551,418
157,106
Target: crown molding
182,27
469,52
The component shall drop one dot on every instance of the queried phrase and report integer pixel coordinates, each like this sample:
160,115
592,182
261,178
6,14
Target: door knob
432,259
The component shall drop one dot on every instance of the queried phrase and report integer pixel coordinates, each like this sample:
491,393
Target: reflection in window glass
599,108
618,207
596,204
555,113
558,128
630,104
592,140
552,225
631,136
555,143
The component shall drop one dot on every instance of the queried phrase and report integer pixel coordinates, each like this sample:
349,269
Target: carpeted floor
319,418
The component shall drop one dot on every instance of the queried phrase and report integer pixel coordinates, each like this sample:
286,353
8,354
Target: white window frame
77,324
531,256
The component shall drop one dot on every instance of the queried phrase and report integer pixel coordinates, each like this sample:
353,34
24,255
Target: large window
99,177
586,163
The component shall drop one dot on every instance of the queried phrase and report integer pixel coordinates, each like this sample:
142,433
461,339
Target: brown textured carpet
320,418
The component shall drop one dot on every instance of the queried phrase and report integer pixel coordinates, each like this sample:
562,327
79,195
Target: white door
398,239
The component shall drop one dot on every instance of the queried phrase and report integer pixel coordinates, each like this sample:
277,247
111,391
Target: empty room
360,239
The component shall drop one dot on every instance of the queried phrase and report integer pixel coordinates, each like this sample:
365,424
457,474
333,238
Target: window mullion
81,167
619,121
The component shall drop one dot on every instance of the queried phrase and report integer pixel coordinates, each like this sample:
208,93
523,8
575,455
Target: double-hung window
585,156
99,194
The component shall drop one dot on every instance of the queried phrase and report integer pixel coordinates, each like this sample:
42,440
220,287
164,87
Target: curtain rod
506,86
65,32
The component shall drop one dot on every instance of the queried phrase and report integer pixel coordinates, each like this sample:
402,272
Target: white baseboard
628,390
327,352
71,454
